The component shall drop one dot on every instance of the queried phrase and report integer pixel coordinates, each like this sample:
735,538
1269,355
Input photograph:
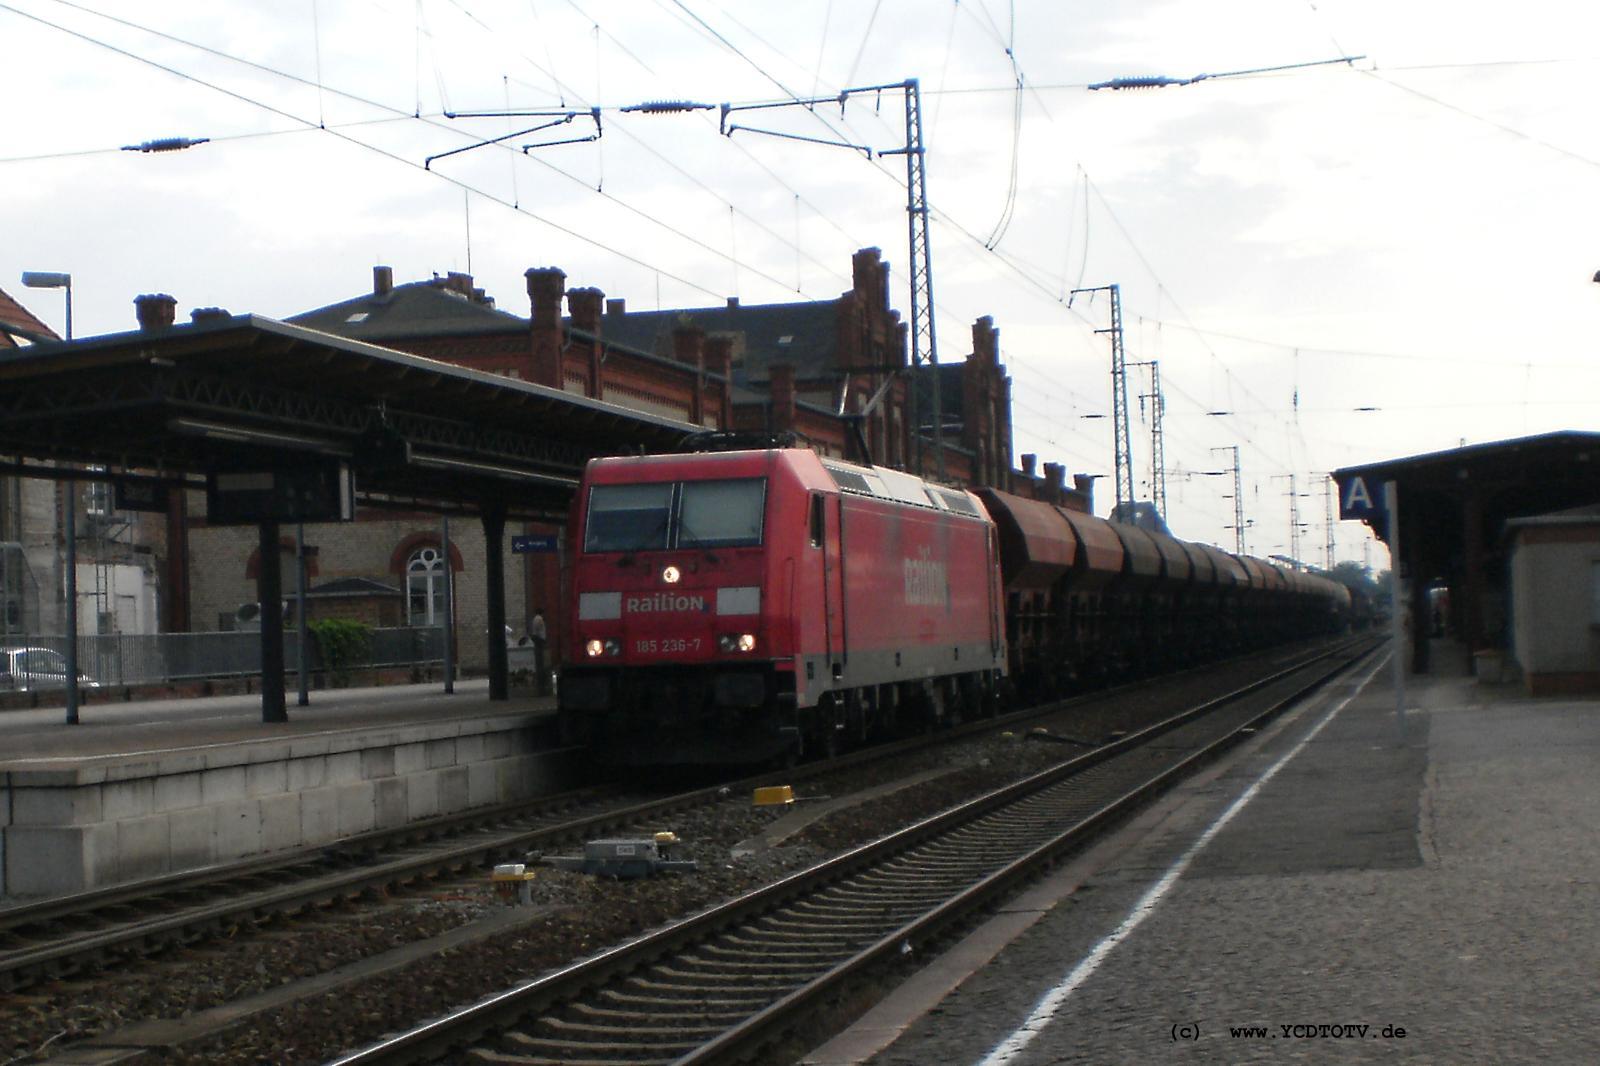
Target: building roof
17,322
351,587
1505,479
1572,516
418,309
802,334
1499,457
244,392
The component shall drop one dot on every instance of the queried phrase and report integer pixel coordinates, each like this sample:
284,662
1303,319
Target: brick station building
810,368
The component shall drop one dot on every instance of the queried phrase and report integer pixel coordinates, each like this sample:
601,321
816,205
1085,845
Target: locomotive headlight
613,646
594,648
671,575
747,642
740,642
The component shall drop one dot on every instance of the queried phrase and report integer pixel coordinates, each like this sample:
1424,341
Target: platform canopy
1454,506
236,392
281,422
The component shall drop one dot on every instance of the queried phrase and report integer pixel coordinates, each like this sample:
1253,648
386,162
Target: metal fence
132,659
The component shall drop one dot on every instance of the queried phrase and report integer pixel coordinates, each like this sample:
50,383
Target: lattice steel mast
1327,523
1295,525
923,335
1119,398
1158,450
1238,501
924,340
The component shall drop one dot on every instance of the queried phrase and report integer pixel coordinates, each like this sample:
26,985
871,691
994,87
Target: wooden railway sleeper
701,1013
933,870
915,889
759,967
780,941
879,914
686,1037
719,992
777,954
786,925
486,1057
902,876
823,927
566,1047
905,895
670,973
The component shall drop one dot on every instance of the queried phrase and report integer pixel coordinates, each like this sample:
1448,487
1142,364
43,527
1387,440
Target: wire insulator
165,144
1145,81
668,107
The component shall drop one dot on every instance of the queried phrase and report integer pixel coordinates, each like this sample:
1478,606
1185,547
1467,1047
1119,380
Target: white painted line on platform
1051,1003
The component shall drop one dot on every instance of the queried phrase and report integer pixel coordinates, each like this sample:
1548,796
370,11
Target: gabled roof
17,321
346,587
804,335
418,309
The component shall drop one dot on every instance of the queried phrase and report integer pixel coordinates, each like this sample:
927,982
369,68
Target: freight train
747,605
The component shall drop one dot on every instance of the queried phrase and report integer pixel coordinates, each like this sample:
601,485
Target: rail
793,943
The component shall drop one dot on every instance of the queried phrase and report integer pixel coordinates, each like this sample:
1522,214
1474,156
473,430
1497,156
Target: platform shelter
1454,506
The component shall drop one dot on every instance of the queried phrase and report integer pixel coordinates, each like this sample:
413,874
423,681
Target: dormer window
357,316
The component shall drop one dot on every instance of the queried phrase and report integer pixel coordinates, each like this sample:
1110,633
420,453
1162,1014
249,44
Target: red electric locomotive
745,605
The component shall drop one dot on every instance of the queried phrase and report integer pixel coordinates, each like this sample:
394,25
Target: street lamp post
44,279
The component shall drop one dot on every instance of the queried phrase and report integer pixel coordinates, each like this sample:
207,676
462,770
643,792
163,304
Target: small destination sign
128,495
1359,499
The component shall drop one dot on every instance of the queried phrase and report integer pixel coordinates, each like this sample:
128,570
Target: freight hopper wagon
1090,602
748,605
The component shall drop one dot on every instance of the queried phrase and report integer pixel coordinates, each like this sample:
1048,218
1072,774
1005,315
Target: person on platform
540,637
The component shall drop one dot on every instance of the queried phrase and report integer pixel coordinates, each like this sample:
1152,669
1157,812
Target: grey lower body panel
820,674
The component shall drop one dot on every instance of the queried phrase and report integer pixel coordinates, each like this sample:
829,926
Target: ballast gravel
570,915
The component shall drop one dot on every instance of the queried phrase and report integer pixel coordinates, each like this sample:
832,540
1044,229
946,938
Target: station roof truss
247,392
1500,480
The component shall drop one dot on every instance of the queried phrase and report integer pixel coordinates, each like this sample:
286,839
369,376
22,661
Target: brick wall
365,548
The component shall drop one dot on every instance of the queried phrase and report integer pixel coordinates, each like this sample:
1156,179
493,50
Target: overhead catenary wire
1249,408
942,216
444,98
392,156
1501,126
312,124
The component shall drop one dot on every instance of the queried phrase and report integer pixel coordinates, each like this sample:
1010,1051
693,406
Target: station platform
145,788
1331,890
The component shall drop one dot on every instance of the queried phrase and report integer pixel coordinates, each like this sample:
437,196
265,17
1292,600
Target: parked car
26,669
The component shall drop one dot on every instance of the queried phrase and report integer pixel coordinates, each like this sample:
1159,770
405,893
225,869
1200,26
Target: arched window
425,587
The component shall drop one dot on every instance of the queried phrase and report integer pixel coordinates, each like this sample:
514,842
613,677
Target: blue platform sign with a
1361,498
533,543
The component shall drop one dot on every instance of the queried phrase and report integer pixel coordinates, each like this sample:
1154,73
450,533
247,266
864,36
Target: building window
425,588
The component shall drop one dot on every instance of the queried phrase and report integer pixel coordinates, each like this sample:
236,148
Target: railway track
75,934
71,934
731,981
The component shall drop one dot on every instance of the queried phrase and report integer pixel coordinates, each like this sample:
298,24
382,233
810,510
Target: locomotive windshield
721,514
686,514
628,518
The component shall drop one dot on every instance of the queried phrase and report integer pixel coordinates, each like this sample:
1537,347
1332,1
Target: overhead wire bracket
559,118
1158,81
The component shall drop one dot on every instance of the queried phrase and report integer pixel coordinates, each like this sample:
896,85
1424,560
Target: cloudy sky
1332,264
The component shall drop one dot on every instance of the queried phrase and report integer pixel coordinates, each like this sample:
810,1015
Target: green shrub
341,644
